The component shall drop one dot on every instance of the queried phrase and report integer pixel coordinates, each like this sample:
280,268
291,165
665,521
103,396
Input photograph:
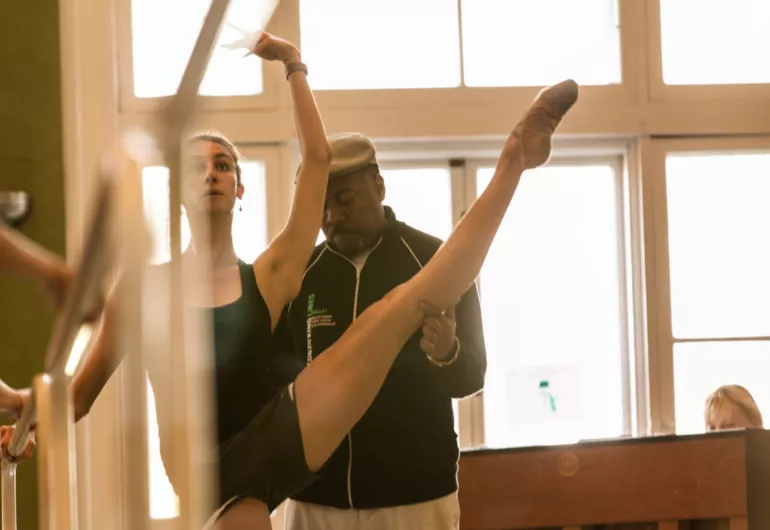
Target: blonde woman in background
731,407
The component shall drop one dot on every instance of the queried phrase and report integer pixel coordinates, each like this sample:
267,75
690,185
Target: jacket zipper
355,315
350,436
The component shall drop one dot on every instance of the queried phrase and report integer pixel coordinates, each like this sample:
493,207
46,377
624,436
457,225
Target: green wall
31,160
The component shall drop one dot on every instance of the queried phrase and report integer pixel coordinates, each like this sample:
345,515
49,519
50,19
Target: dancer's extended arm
280,268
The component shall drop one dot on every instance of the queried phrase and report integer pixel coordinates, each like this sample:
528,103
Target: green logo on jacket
311,311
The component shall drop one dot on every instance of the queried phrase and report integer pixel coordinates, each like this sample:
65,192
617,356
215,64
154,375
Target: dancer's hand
6,433
438,333
272,48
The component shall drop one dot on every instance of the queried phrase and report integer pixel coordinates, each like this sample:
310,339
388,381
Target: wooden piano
716,481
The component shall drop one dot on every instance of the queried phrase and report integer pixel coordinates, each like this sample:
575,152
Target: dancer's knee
246,514
412,299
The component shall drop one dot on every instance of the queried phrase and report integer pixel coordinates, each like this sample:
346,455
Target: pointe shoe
536,128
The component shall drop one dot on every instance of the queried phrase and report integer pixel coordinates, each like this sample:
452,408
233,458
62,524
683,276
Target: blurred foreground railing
116,240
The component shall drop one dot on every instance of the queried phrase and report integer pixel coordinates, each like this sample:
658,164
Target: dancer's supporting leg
334,392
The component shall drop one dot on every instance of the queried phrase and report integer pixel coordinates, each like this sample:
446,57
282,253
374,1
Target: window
702,367
163,36
715,42
551,303
370,44
719,228
249,225
538,43
421,197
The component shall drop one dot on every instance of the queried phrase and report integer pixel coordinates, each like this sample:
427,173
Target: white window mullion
634,290
631,325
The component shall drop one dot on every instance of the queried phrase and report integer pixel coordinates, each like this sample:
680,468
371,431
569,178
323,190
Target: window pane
537,43
719,241
715,41
163,36
700,368
551,304
249,225
370,44
421,198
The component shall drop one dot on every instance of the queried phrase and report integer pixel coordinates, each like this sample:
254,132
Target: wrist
448,352
294,57
292,68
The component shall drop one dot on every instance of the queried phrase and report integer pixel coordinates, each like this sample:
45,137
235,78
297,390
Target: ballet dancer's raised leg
334,392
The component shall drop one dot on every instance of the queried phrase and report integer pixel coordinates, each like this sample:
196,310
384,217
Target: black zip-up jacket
404,450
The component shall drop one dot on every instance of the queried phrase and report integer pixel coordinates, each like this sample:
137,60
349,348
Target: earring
240,207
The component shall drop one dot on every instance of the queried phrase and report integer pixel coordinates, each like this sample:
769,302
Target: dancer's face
353,213
211,182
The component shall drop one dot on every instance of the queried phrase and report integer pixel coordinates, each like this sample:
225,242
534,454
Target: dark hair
224,142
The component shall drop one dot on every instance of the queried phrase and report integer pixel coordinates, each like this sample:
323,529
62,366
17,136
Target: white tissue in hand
247,41
257,13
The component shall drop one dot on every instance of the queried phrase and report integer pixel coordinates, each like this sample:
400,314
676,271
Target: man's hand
6,433
438,333
272,48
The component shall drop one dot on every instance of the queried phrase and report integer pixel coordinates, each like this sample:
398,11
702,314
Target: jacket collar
392,223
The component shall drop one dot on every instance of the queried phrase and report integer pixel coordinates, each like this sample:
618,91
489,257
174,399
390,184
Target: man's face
353,213
210,182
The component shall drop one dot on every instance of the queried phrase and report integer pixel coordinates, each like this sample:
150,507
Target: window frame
659,317
640,104
624,92
272,75
699,94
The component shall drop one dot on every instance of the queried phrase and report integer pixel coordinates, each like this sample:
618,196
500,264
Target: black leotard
242,351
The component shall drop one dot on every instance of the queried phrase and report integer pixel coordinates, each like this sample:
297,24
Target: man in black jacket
397,468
